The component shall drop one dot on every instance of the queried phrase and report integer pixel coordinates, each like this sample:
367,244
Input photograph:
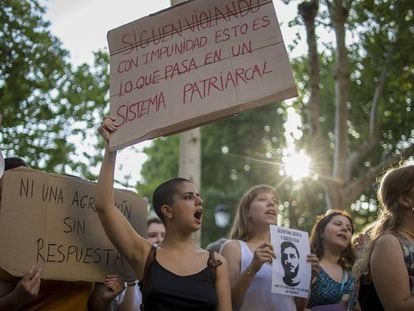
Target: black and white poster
291,273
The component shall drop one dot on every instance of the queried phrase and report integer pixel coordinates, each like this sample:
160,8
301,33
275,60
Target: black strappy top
165,290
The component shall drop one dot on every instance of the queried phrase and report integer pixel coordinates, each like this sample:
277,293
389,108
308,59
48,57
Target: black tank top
163,290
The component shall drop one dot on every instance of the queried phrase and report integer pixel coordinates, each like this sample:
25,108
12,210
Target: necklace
407,232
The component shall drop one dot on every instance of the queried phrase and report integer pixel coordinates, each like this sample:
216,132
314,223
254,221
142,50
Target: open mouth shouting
198,215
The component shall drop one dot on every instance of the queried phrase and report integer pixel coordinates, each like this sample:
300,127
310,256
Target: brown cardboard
195,63
50,220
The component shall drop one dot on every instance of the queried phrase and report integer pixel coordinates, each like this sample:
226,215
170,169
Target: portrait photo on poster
290,262
291,272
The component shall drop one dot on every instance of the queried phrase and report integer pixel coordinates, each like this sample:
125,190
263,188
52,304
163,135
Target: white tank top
258,295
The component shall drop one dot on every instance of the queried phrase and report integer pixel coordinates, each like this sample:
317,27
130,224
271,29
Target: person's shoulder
387,239
386,245
231,250
231,245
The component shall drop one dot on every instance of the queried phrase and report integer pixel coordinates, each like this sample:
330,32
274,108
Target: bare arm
12,298
240,280
388,267
129,301
131,245
223,288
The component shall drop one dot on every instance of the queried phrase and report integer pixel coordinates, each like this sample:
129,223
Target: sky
82,26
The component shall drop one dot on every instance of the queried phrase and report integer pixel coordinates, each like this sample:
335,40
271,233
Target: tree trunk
190,155
318,147
339,14
340,187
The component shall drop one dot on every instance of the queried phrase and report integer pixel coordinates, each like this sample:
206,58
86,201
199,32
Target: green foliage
162,164
327,120
388,29
45,102
237,153
43,99
381,41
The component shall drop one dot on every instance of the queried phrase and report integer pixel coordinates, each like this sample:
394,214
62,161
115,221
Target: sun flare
296,165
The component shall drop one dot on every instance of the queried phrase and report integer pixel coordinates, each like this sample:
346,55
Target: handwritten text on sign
193,64
50,220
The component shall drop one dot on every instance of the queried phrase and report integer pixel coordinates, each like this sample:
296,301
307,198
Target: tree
237,153
356,107
358,119
43,99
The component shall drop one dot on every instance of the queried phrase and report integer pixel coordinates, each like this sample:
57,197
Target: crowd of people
348,271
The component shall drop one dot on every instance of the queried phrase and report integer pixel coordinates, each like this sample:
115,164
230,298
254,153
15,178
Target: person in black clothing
177,274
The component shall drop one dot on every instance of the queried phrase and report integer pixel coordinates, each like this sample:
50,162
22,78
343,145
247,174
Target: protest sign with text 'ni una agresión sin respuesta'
50,220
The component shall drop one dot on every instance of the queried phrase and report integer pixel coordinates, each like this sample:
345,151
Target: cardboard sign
291,273
195,63
50,220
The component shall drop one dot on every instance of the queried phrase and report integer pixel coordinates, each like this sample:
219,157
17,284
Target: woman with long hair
177,274
330,240
250,254
386,269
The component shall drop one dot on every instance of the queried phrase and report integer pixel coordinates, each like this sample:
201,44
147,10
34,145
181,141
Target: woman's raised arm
128,242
